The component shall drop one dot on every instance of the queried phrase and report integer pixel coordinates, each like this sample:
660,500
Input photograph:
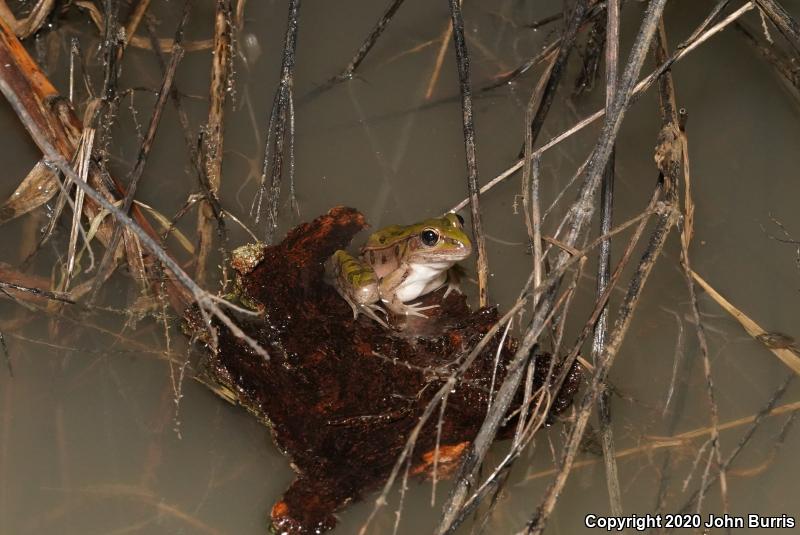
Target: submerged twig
368,42
669,443
767,410
38,292
348,73
594,10
784,354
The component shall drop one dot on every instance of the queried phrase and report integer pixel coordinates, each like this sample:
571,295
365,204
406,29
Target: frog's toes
416,309
452,287
370,311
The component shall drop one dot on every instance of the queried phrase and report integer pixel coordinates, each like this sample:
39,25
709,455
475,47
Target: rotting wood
358,391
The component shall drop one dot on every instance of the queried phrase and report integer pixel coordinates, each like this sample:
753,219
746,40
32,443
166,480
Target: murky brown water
87,423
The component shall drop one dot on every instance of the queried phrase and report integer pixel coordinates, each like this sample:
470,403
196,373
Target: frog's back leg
356,282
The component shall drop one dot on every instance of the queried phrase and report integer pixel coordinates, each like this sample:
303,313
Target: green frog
398,264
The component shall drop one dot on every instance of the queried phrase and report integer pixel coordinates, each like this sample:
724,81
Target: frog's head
440,239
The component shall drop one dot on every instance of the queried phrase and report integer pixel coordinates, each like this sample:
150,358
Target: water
88,439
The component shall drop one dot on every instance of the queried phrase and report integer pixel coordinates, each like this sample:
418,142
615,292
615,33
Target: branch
462,61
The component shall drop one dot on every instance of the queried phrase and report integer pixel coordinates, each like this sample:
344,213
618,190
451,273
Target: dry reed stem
437,66
671,160
209,305
681,51
781,18
578,217
213,137
279,137
530,180
786,355
462,62
681,440
604,263
134,19
146,497
30,24
541,517
641,221
163,45
107,264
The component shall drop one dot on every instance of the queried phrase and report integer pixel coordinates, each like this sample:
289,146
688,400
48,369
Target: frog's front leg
454,276
393,288
356,282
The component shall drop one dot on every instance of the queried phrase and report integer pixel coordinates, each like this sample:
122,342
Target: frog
399,264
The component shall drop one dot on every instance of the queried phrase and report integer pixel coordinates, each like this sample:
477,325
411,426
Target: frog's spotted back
450,227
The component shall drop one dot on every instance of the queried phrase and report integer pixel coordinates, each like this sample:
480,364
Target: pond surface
91,437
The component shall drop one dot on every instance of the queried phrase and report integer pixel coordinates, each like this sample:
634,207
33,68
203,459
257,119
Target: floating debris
342,395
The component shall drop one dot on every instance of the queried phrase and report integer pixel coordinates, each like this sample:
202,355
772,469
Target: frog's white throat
423,279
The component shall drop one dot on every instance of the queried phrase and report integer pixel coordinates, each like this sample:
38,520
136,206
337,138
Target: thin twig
604,264
767,410
213,135
555,72
30,24
46,294
348,73
141,160
369,41
437,66
580,214
209,304
462,60
671,167
783,20
272,169
698,37
595,9
135,18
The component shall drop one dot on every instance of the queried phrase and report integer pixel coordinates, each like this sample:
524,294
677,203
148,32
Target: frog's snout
464,248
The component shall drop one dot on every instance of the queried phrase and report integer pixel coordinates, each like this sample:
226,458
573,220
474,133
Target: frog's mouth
436,265
444,257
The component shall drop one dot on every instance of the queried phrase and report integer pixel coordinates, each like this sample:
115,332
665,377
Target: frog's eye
429,237
460,219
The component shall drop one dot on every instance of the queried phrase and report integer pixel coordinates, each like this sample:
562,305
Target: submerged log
342,395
